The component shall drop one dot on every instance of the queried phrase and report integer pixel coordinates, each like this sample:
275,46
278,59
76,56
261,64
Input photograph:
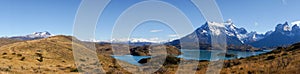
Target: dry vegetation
283,60
5,41
49,55
55,55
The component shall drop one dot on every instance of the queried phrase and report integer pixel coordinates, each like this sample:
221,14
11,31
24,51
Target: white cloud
173,35
154,31
153,40
296,22
172,39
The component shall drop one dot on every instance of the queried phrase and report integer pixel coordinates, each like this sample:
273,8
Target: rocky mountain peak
295,28
283,27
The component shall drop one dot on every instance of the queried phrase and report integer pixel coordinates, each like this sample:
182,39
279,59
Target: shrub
270,57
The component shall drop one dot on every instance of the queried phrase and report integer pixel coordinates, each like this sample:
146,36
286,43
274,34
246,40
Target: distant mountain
136,41
235,36
283,35
33,36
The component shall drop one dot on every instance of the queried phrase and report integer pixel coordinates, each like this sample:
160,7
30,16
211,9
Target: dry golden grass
5,41
38,56
284,60
280,61
49,55
54,55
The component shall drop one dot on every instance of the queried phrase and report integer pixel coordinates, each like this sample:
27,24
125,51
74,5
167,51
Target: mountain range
283,35
33,36
55,54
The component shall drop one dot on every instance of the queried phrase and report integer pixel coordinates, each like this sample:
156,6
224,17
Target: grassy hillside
49,55
283,60
5,41
55,55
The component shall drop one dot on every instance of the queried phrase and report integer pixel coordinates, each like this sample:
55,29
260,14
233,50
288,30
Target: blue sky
21,17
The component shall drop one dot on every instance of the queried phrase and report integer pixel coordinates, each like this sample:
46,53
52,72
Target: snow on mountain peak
40,34
35,35
229,21
233,31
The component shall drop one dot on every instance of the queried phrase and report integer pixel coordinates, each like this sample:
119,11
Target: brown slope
5,41
283,60
49,55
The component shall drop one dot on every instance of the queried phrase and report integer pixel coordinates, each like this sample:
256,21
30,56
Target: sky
22,17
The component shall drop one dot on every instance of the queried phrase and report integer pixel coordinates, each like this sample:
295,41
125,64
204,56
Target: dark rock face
282,27
143,61
296,30
140,51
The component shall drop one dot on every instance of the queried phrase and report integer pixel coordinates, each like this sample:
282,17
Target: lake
192,55
131,59
206,54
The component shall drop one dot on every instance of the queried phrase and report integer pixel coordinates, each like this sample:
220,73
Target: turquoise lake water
192,55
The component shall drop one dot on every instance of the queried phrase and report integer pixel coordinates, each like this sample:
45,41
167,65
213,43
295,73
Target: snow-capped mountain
137,41
242,34
253,36
234,35
283,35
35,35
202,34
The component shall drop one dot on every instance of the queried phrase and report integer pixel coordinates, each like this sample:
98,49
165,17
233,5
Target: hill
49,55
55,55
283,60
5,41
